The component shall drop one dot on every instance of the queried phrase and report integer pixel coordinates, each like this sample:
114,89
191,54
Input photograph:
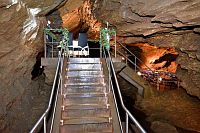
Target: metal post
109,74
45,47
115,45
135,63
45,126
52,50
100,46
178,84
126,122
158,88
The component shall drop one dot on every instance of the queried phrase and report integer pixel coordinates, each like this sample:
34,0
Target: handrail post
126,122
45,126
109,74
135,63
115,45
45,46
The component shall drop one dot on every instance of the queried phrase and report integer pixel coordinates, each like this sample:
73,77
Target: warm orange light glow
162,59
82,19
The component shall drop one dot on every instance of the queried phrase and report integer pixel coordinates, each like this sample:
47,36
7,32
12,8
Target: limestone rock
161,23
81,19
21,39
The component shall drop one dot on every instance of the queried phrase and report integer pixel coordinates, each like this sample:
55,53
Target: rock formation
160,23
81,19
22,100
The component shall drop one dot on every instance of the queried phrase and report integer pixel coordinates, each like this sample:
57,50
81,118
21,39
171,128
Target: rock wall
22,100
168,23
80,18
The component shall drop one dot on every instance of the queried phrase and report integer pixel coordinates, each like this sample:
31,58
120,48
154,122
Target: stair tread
104,112
85,84
87,106
72,67
88,80
85,73
84,60
85,120
87,128
88,94
84,89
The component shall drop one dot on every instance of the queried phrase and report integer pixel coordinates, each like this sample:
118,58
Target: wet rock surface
22,100
160,23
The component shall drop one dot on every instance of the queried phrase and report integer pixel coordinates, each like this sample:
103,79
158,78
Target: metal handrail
134,55
111,88
158,74
44,115
128,114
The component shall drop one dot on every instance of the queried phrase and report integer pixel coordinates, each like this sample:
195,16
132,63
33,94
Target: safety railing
112,75
153,76
57,84
51,44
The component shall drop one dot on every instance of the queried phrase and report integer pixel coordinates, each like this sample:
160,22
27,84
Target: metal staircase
85,101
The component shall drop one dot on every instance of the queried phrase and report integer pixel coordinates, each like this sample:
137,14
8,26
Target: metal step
89,94
87,128
84,89
103,112
84,67
84,84
85,74
82,80
87,106
84,120
84,100
84,60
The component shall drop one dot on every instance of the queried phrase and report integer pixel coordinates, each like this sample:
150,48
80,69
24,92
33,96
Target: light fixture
160,79
139,73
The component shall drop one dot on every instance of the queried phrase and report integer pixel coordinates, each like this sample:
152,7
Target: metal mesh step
85,100
84,89
85,120
84,84
87,106
98,112
84,67
85,74
89,94
80,80
87,128
84,60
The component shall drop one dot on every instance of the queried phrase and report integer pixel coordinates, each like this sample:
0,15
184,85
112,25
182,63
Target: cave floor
163,112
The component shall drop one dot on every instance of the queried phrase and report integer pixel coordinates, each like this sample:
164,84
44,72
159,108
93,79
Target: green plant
105,34
65,36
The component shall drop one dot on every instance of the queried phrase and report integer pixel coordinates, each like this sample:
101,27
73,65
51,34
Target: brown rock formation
82,19
22,100
164,24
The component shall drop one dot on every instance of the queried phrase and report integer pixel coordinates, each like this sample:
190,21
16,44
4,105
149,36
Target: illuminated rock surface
160,23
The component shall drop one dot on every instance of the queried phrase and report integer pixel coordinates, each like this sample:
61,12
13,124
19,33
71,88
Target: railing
51,45
157,80
111,71
57,84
